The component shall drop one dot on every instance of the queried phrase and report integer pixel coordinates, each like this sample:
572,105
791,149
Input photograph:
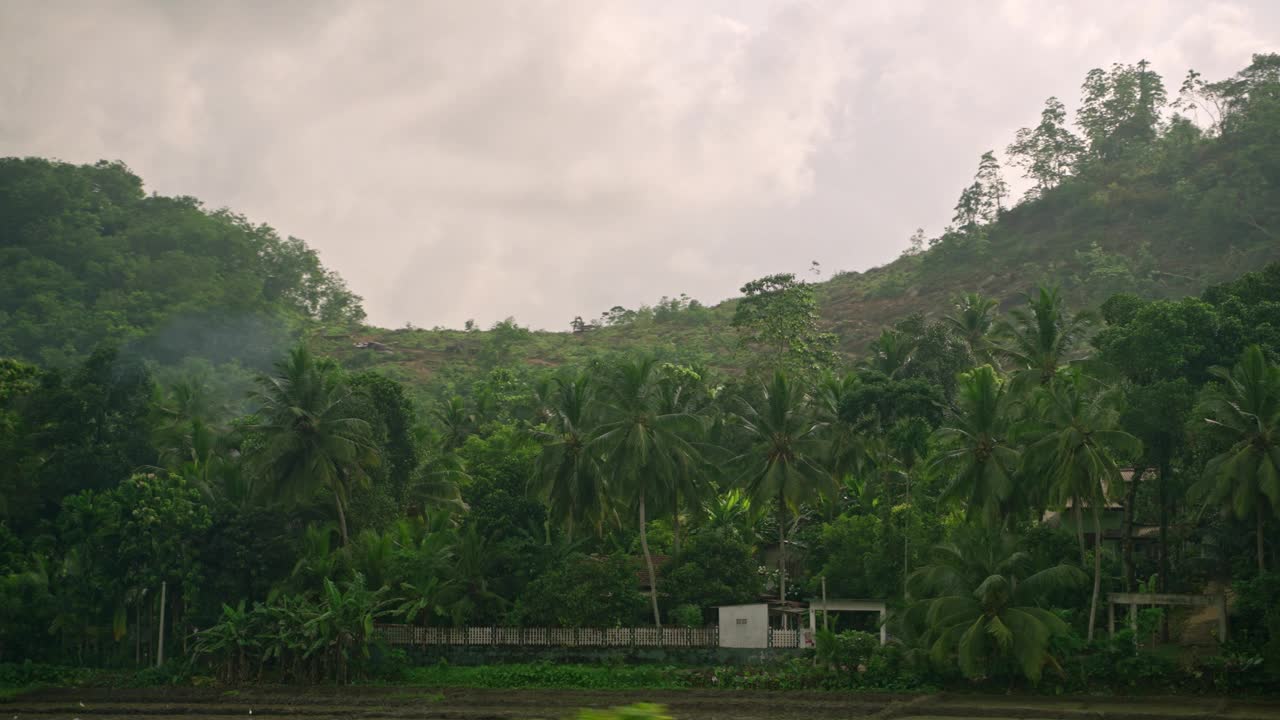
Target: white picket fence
557,637
786,639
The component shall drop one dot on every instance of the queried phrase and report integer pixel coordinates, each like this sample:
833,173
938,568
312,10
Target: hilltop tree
1120,108
1048,152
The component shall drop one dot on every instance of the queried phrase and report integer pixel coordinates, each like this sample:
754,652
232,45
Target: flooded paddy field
469,704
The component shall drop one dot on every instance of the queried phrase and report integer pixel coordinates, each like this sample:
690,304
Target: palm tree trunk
342,517
648,561
1130,498
1262,565
782,548
1097,569
1079,514
675,527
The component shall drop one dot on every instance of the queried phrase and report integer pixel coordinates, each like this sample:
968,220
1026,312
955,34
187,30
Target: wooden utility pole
824,602
164,591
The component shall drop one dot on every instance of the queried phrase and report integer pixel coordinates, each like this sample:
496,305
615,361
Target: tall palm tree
972,322
844,443
783,462
568,470
891,353
311,442
1041,337
1077,440
977,447
642,448
1245,411
982,603
678,395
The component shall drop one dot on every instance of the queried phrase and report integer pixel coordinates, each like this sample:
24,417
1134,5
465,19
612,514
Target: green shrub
847,652
686,615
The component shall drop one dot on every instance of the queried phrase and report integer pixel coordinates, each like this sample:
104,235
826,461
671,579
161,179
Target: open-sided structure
844,605
1133,600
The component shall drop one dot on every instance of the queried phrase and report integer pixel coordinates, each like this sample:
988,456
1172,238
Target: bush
584,592
686,615
29,674
847,651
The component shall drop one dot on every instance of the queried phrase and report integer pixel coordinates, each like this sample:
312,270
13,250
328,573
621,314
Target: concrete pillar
1111,618
884,631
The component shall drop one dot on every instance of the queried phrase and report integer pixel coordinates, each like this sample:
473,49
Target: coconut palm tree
977,451
678,395
642,448
891,353
982,603
1245,411
783,462
1041,337
311,441
972,322
844,442
569,474
1078,437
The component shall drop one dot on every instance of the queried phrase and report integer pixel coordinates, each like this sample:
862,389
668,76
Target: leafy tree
1120,108
981,604
1245,411
781,313
992,184
712,569
1048,152
312,441
584,592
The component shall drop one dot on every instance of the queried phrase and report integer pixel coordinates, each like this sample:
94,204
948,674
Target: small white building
744,626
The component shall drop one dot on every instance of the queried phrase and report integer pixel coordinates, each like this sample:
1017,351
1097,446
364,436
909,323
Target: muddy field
323,704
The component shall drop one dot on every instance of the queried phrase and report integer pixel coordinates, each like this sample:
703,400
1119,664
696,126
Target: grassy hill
1185,211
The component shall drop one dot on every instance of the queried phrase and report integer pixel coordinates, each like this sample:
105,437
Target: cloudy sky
483,159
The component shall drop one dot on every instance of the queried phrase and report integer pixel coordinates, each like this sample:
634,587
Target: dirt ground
400,702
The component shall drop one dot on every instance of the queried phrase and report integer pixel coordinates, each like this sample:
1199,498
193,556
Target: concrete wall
744,626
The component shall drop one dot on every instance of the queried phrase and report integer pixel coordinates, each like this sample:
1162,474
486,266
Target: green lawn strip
545,676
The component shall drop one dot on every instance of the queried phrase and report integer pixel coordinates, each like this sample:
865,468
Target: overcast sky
470,159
